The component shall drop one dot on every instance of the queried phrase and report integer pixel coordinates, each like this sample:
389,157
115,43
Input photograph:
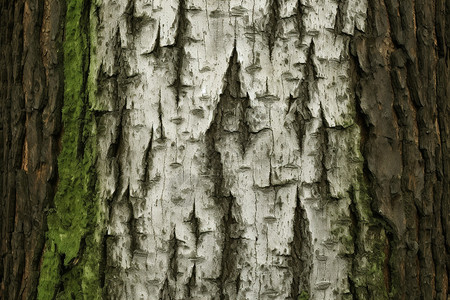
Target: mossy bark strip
70,267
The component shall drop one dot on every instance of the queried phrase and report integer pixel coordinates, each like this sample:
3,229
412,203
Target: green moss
303,296
50,264
71,259
368,269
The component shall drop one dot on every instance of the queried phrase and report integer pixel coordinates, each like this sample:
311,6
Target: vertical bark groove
301,253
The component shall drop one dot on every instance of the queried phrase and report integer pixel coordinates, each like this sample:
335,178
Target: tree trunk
187,149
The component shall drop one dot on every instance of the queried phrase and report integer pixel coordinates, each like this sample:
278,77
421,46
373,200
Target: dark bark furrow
229,106
301,252
299,19
272,25
179,46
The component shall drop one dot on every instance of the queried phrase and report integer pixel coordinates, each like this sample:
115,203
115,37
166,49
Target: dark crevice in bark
311,68
134,238
244,128
130,16
191,283
230,110
354,231
215,162
173,266
272,25
134,23
229,253
324,184
180,40
162,136
364,127
301,251
352,288
235,101
302,113
194,222
291,102
340,15
147,162
238,283
386,264
157,49
113,150
74,261
114,85
299,19
164,292
173,256
84,23
103,263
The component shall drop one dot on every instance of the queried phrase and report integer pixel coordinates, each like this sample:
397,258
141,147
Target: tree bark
31,87
404,92
182,149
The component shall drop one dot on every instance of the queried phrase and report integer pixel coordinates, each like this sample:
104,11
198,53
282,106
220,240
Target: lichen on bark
70,267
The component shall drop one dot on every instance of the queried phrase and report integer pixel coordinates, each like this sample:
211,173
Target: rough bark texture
403,66
224,127
31,88
274,149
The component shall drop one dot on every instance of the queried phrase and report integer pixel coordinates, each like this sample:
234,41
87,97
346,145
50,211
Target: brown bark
403,90
31,85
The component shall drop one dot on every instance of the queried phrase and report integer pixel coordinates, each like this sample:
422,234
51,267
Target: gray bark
224,126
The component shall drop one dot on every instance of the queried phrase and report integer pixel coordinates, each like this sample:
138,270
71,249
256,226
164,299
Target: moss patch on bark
369,239
369,263
71,260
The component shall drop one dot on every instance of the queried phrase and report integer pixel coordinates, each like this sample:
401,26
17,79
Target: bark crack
229,253
272,25
340,15
162,136
147,162
191,283
301,250
173,264
179,45
299,18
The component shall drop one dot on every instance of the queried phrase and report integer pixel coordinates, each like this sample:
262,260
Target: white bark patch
216,117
